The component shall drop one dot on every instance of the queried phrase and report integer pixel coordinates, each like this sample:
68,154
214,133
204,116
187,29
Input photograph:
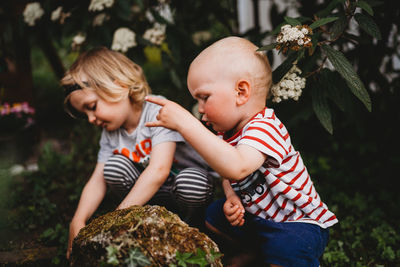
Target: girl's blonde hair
111,74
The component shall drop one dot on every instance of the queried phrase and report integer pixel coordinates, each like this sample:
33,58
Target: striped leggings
190,188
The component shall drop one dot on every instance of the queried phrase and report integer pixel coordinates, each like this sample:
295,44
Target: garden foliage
337,86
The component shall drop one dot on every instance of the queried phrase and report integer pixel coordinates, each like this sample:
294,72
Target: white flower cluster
100,19
56,14
77,41
294,38
201,37
99,5
294,34
32,12
59,15
124,39
163,10
290,86
155,35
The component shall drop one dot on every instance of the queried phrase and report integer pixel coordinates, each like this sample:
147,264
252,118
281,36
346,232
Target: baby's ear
243,90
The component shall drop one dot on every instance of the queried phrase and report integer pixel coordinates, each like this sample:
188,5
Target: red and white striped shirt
281,189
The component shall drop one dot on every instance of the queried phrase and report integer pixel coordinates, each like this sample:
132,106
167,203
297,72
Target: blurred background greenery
351,153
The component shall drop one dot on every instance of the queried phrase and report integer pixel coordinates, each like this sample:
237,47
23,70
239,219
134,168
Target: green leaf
365,6
297,21
199,259
277,29
321,107
284,67
292,21
48,233
343,66
158,17
331,6
123,10
214,255
112,255
182,258
303,19
334,88
136,258
322,21
267,47
374,3
368,25
339,26
140,4
113,260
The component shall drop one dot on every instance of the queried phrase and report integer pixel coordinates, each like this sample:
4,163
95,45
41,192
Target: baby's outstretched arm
230,162
171,115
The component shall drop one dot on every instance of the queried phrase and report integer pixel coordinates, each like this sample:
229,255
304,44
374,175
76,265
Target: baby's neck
243,121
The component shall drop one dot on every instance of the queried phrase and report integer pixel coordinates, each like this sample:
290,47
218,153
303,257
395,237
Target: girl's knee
120,173
193,187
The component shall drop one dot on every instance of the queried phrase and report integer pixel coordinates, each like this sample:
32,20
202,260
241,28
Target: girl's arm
91,197
234,163
152,177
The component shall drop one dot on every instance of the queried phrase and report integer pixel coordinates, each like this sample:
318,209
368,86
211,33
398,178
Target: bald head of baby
235,58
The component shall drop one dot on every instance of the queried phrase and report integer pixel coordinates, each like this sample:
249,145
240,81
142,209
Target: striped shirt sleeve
268,137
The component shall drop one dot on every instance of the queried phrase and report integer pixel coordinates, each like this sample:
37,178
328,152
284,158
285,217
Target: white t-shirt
138,144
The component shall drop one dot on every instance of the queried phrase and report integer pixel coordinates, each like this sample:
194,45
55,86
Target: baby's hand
234,211
171,115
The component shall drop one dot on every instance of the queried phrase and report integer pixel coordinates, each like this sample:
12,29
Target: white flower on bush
78,40
155,35
164,10
290,86
99,5
56,14
100,19
201,37
294,37
124,39
59,15
32,12
293,33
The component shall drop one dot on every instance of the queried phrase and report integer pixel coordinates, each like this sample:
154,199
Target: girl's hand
234,211
74,228
171,115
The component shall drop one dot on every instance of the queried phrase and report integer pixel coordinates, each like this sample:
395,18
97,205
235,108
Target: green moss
158,233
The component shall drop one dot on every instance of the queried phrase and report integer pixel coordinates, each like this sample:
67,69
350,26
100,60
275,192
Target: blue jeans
282,243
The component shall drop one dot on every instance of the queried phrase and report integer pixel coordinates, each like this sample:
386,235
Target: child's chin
216,128
108,128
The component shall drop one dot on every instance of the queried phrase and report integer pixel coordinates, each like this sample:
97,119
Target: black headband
69,88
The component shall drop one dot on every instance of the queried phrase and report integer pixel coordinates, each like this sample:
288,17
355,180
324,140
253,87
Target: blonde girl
140,164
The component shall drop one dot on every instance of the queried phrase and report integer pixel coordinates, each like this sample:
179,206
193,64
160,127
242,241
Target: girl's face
108,115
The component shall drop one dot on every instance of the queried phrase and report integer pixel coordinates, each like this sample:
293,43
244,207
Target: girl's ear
243,90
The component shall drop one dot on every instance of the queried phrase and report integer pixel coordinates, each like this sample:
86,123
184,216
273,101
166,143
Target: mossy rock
147,235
